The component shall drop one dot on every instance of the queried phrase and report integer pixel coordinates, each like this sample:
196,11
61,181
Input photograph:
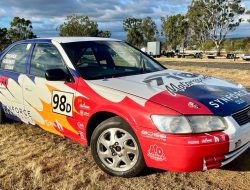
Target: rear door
50,102
12,72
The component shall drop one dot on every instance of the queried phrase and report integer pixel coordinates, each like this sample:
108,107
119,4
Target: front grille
242,117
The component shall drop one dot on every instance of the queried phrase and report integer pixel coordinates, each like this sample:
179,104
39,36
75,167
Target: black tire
117,123
2,115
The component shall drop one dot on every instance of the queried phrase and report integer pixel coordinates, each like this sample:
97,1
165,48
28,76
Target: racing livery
130,109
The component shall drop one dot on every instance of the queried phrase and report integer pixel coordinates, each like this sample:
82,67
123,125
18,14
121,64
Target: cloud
47,15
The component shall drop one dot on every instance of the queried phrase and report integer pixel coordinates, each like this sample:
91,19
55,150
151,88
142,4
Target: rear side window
15,59
45,57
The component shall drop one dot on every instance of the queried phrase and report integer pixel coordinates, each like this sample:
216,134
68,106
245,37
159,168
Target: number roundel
62,102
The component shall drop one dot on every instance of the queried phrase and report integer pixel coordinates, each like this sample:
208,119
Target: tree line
204,26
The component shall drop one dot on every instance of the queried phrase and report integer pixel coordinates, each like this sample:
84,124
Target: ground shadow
242,163
149,171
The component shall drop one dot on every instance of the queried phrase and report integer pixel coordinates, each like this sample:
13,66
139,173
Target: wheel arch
101,116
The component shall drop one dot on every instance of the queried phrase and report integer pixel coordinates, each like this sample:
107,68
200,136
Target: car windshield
107,59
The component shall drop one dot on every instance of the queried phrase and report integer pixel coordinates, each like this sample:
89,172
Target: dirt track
31,158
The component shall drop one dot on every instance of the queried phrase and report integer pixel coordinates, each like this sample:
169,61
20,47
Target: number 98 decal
62,102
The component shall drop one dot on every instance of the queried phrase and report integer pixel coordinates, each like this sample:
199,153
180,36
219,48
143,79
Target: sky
47,15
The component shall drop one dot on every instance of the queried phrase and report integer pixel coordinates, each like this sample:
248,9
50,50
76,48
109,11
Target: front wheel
115,148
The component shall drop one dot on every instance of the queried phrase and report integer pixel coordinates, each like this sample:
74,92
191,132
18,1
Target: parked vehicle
246,57
154,49
131,110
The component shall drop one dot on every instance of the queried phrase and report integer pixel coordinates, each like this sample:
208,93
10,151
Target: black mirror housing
56,75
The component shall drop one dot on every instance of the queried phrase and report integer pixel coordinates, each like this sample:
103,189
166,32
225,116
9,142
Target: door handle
29,89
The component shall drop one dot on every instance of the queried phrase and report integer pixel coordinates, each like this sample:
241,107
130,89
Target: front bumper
187,153
219,161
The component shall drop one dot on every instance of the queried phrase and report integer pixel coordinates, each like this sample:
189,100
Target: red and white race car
131,110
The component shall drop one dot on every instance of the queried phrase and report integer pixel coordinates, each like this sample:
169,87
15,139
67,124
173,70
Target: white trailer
154,48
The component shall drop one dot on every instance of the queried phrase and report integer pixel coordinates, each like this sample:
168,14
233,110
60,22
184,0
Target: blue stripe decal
222,101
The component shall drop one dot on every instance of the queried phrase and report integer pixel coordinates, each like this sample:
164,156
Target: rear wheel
115,148
2,115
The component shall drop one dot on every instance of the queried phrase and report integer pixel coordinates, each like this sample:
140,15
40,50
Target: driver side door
50,102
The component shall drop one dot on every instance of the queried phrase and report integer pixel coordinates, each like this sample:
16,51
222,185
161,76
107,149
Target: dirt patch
31,158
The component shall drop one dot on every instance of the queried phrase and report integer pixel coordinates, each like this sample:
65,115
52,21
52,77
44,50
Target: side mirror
56,75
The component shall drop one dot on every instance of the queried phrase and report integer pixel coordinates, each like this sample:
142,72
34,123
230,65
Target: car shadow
149,171
242,163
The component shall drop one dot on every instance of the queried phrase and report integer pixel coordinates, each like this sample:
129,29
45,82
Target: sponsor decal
238,144
229,98
49,123
183,81
83,113
58,126
82,135
80,125
84,106
194,142
18,112
154,135
193,105
156,153
206,141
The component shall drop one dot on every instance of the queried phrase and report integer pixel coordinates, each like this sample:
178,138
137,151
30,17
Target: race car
130,109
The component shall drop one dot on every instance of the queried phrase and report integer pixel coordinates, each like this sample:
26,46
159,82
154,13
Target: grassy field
31,158
204,60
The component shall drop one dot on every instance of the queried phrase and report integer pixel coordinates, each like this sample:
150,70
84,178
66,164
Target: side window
15,59
45,57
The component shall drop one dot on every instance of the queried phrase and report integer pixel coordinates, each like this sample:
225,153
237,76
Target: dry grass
218,59
235,75
31,158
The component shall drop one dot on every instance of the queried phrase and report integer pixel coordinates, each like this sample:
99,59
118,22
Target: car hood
184,92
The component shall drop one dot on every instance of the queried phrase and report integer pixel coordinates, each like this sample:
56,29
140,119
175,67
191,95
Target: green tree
104,34
133,28
231,45
176,30
149,29
20,29
216,18
78,25
248,13
207,45
246,45
4,39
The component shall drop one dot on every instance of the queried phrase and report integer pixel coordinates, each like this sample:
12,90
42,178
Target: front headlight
188,124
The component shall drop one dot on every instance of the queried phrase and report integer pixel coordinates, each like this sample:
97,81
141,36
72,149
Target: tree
248,13
133,27
207,45
104,34
231,45
4,39
20,29
78,25
149,29
176,30
216,18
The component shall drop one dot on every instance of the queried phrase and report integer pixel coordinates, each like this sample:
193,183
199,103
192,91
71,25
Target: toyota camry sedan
132,111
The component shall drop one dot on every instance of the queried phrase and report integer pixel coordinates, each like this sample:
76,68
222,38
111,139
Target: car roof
75,39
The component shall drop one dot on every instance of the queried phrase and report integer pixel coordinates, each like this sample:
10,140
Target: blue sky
47,15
